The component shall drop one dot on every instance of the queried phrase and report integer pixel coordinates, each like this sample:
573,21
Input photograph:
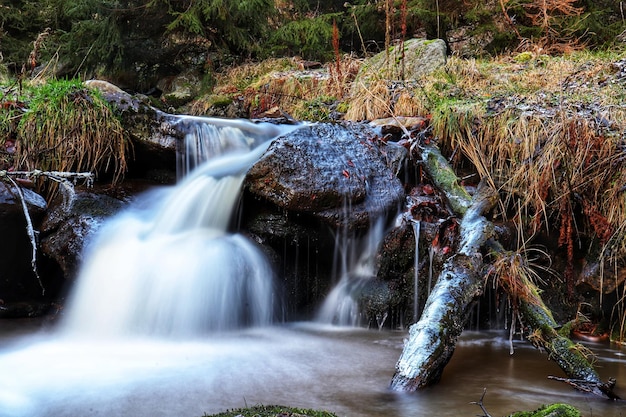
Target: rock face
311,186
69,225
17,280
151,131
323,169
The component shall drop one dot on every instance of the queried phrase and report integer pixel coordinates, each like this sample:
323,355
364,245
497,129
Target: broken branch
60,177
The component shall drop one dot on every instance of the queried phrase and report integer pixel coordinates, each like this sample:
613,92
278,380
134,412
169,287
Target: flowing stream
172,315
346,371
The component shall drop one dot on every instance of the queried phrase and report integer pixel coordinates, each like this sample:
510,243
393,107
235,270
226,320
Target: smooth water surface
346,371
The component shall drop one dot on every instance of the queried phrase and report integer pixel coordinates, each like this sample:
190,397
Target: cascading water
207,138
356,268
172,268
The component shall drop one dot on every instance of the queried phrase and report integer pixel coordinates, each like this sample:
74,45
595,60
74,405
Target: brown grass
282,83
546,131
519,275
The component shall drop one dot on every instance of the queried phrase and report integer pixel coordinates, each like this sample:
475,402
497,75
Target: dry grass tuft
518,272
372,104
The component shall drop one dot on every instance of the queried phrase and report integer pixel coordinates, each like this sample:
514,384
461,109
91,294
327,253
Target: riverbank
546,131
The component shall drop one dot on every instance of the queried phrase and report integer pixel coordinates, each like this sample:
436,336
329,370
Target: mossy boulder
408,61
373,88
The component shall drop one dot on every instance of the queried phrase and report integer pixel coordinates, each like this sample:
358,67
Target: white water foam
171,267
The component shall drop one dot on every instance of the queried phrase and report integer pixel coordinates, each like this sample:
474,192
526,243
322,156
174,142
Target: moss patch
272,411
553,410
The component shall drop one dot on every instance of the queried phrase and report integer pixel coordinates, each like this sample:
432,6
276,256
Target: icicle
416,232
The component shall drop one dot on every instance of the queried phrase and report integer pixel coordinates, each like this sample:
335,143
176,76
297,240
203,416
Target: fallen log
571,357
433,338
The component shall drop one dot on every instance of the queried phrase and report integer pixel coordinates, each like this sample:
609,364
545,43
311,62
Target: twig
31,233
598,388
480,403
358,30
58,176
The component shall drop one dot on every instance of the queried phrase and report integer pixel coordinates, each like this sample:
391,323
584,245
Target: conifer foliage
238,25
87,37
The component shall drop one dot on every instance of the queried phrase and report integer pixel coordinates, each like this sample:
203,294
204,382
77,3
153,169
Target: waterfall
168,265
206,138
357,268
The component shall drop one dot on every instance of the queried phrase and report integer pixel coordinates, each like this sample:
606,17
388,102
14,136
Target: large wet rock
71,223
17,279
336,173
311,186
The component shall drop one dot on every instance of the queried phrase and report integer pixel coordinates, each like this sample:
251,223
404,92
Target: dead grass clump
284,84
285,91
517,273
240,77
342,74
371,103
560,170
406,104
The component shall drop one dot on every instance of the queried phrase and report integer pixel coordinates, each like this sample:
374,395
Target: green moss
220,100
523,57
446,179
70,127
552,410
566,329
272,411
318,109
343,107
